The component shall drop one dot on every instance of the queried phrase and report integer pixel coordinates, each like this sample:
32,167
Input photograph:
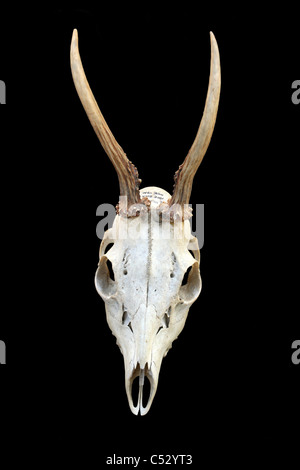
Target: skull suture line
148,300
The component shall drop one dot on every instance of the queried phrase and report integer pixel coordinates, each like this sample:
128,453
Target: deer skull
155,274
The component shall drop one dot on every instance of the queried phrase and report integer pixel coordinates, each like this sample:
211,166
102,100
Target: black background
229,378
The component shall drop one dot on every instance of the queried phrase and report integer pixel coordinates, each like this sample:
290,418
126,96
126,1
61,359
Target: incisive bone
146,295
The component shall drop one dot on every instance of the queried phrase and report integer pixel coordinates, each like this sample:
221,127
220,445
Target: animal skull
147,298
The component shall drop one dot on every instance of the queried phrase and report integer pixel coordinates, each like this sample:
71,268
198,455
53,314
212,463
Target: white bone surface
146,303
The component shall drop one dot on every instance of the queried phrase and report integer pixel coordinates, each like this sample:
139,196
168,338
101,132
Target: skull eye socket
191,284
104,279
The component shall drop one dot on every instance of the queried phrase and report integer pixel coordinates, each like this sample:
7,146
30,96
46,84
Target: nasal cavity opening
135,391
141,387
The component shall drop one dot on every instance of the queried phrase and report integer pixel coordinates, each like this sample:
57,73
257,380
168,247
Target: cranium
147,296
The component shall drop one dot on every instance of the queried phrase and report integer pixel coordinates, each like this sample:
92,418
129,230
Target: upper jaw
142,374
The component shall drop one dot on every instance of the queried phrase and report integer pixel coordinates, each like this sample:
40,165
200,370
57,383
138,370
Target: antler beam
127,173
184,176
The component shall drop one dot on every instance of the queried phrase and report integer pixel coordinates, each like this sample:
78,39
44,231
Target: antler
127,173
185,174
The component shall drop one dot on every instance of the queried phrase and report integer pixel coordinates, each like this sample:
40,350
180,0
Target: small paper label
155,195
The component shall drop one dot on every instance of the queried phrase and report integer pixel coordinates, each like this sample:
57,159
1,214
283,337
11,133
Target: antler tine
186,172
127,172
